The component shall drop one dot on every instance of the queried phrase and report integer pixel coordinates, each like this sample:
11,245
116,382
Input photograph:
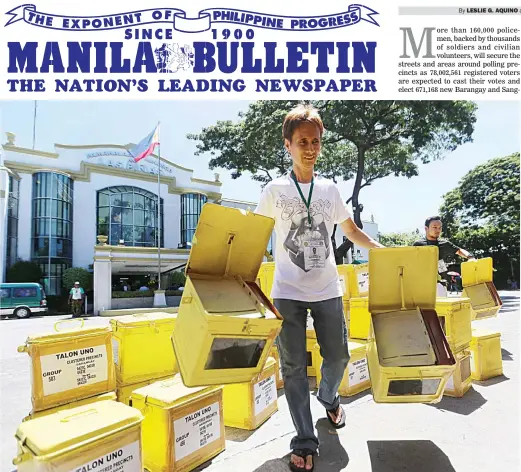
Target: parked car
22,299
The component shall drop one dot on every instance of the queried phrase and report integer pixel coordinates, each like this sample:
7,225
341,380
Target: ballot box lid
419,266
229,242
477,272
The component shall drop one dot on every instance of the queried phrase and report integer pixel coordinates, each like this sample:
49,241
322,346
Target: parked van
22,299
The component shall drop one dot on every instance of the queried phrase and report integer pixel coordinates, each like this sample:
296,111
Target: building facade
92,206
56,207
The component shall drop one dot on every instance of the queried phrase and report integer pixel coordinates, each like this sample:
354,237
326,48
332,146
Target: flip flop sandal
336,411
304,453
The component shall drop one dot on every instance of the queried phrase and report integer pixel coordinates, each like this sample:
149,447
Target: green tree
77,274
482,214
24,271
399,239
365,140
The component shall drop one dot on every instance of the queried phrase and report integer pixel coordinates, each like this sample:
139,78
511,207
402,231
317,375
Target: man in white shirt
76,295
305,209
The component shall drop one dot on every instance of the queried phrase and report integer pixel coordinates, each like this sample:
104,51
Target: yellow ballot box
486,358
460,381
313,357
356,279
142,347
360,318
124,392
226,325
356,376
455,319
248,405
183,426
103,436
265,278
278,370
409,356
70,365
478,285
87,401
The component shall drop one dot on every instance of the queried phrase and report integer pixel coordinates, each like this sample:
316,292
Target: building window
52,227
129,214
12,221
191,206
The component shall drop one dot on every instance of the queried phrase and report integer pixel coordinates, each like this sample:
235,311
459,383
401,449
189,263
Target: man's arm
467,255
356,235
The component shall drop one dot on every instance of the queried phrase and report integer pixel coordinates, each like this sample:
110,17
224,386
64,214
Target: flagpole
159,210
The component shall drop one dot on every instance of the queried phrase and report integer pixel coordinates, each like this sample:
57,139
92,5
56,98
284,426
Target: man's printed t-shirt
445,250
305,267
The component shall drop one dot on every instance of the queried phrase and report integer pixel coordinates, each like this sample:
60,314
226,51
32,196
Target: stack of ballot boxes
183,427
142,350
226,325
70,367
359,316
409,357
455,320
485,348
354,279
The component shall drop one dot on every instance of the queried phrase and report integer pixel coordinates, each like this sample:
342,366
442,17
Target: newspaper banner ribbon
182,23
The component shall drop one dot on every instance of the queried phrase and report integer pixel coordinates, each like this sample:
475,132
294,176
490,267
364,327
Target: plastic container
485,349
455,319
313,357
103,436
478,285
183,426
70,365
278,369
124,392
357,278
265,278
226,326
360,318
460,382
356,376
248,405
347,317
87,401
408,354
142,347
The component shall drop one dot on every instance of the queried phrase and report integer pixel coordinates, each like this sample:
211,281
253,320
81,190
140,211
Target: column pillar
102,285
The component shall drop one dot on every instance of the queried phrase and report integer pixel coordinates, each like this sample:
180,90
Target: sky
396,203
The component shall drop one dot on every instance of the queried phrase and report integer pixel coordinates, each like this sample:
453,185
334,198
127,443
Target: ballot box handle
68,321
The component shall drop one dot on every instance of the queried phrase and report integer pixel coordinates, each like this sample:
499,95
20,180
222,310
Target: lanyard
307,203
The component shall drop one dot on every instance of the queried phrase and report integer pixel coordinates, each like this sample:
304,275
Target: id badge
315,254
441,266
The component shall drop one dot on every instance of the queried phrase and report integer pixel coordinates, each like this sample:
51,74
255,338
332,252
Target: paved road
479,432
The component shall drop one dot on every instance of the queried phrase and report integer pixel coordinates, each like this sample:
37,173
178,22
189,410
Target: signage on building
121,159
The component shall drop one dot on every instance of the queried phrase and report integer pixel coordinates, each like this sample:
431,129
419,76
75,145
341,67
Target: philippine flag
146,146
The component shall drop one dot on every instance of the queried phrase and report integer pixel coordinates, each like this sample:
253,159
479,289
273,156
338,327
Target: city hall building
92,206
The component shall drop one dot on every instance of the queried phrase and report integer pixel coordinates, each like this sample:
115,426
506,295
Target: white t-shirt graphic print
305,266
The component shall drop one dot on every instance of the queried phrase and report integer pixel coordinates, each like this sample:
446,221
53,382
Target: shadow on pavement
275,465
332,455
408,456
506,355
466,405
237,435
493,381
354,398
